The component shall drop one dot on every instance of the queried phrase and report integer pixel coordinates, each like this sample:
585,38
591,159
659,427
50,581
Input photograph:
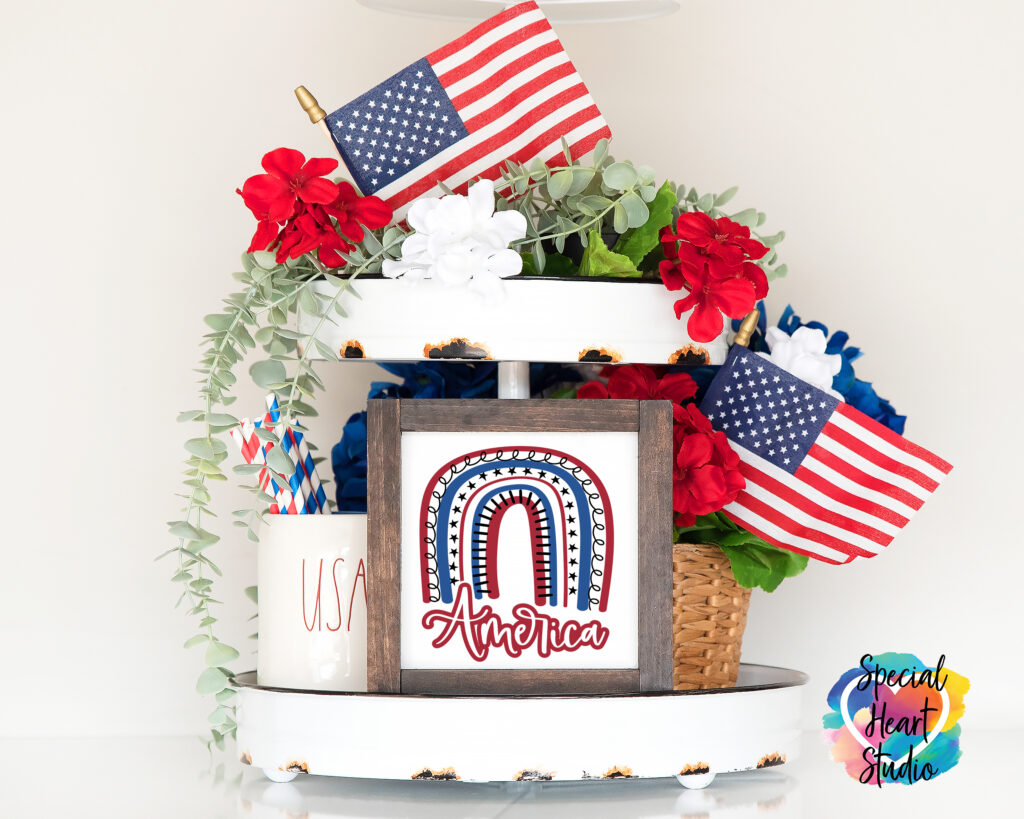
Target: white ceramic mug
312,602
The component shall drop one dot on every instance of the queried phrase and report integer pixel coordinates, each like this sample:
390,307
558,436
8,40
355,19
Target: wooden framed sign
519,546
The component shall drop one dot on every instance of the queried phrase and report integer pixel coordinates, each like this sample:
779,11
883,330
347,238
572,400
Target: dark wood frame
388,419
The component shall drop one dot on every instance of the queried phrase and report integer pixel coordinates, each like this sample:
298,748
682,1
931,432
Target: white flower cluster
460,240
803,354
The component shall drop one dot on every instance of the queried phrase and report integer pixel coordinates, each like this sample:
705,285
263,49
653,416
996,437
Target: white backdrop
883,135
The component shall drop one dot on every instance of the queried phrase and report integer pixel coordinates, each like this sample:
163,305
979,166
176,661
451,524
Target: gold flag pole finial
317,115
310,105
747,329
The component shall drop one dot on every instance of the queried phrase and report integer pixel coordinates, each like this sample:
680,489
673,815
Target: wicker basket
709,614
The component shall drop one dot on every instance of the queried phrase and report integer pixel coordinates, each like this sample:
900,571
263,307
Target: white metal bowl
539,319
692,735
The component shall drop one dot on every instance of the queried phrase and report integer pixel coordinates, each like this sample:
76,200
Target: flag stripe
479,32
581,141
851,501
512,143
785,529
814,466
783,512
808,498
550,139
529,100
847,470
892,467
911,489
896,440
784,540
492,53
550,53
846,422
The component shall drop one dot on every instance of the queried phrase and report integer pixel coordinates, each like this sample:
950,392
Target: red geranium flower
289,178
705,474
719,238
640,382
710,297
292,193
352,210
712,259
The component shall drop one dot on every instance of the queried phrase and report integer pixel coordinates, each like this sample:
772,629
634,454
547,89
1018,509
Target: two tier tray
690,735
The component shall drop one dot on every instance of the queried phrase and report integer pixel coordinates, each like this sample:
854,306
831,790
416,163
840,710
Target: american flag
823,479
505,90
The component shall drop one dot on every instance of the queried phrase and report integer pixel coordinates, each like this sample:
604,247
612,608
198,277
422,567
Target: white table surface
175,777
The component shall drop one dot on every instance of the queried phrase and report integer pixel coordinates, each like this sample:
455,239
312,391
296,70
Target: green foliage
606,195
638,242
259,315
575,200
598,260
754,562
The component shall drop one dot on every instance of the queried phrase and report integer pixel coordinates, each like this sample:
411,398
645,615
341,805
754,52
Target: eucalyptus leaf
620,176
636,210
559,184
371,244
218,654
218,321
183,529
637,243
747,218
267,372
620,218
211,681
725,196
197,640
206,448
279,461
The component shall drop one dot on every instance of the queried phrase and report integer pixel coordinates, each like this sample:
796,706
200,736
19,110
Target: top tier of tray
538,319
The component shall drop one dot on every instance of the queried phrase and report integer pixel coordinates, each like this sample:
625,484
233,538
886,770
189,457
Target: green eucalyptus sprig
609,195
256,316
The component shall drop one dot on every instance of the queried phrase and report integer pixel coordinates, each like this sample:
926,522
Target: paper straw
254,452
294,443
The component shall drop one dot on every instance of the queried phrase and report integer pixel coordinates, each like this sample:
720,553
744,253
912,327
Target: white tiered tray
691,735
538,319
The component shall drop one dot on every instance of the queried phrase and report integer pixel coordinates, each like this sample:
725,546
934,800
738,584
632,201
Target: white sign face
519,550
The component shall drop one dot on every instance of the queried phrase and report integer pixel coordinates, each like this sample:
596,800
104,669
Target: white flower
460,240
803,354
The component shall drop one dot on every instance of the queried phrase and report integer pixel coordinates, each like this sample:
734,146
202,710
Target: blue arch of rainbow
571,526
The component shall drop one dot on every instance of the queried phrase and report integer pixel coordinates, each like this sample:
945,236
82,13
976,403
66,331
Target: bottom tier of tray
691,735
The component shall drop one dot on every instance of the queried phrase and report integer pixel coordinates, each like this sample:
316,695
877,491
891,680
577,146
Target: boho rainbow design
571,529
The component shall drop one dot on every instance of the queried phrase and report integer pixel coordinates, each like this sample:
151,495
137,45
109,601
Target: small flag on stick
504,90
823,479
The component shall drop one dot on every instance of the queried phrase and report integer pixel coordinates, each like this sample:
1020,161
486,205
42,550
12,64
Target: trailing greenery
256,316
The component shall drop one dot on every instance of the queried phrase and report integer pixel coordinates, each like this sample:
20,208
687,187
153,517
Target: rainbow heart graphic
895,719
